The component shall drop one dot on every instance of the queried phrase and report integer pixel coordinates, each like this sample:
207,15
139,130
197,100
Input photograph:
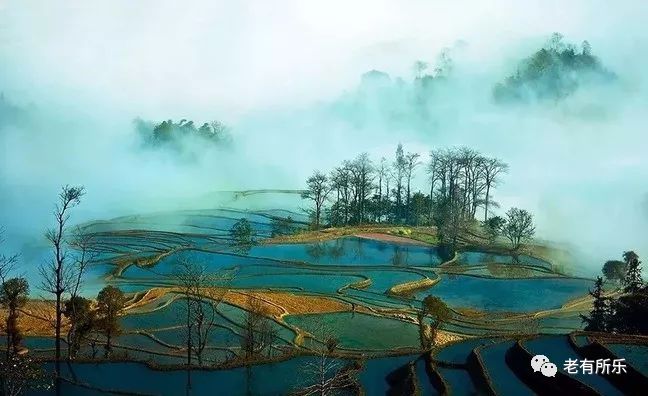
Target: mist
286,77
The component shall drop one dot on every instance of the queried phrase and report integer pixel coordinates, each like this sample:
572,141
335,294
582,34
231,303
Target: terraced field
362,290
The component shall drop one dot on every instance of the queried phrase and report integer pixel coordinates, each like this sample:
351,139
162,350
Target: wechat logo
542,364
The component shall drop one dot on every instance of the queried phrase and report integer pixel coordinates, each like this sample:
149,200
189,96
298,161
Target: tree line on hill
460,183
627,313
554,72
176,135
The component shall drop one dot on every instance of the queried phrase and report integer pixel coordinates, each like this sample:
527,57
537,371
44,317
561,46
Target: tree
632,282
419,68
599,316
614,270
242,233
82,319
447,218
7,263
110,303
411,163
282,226
82,322
13,296
362,182
56,274
258,331
493,227
399,170
383,174
325,374
630,312
317,189
202,292
491,168
519,227
439,313
419,205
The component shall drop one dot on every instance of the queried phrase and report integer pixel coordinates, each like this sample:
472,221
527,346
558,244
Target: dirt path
390,238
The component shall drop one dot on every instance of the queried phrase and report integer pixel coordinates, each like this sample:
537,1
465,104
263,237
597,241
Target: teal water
458,380
422,379
359,331
268,379
503,380
635,355
351,251
509,295
375,371
480,258
458,353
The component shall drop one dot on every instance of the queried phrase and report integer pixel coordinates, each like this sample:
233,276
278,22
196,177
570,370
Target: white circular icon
549,369
537,361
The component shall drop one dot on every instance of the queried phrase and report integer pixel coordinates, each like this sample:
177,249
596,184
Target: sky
273,69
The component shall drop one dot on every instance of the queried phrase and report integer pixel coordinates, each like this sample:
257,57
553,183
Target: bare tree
382,173
202,292
411,163
259,332
326,374
491,168
519,226
77,308
57,274
400,167
317,191
361,170
7,263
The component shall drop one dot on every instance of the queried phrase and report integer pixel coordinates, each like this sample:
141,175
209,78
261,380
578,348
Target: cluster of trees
553,72
173,134
460,182
62,278
394,101
627,313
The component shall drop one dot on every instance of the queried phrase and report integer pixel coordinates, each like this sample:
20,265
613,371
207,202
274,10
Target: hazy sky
269,67
229,57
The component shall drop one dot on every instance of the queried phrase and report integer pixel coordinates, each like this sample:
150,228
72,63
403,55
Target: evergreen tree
599,316
632,282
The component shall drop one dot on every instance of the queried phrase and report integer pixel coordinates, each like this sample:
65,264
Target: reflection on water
351,250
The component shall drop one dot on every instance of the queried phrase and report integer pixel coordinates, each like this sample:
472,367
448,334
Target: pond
278,378
635,355
502,379
351,251
508,295
358,330
458,353
173,315
481,258
211,221
458,380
